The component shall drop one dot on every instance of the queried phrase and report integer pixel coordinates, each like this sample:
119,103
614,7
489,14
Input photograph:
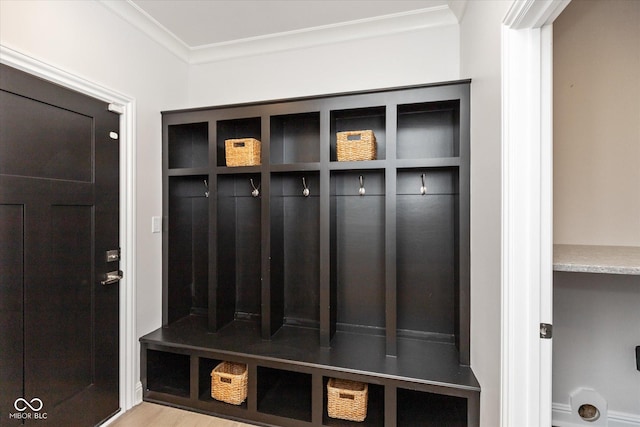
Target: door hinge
546,330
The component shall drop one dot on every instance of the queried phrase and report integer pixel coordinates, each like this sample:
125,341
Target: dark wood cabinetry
356,270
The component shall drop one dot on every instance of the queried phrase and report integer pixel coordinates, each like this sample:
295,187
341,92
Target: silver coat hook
361,191
423,189
206,188
305,191
256,190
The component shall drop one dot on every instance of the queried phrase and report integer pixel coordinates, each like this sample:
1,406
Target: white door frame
125,106
527,211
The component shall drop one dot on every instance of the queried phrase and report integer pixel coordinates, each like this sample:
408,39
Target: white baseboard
138,395
562,418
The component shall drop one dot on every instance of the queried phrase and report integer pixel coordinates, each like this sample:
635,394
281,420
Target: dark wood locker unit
307,268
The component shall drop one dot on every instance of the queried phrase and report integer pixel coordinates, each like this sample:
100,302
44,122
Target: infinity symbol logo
35,404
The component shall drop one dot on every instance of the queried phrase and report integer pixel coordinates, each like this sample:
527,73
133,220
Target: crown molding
144,22
533,13
326,34
290,40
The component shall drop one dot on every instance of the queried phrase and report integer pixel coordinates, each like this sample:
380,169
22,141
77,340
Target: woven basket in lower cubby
355,145
347,400
229,382
242,152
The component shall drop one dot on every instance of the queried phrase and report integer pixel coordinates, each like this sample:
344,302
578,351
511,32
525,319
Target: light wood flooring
150,414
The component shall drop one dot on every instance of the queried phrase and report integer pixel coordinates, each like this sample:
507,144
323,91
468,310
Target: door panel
46,151
11,345
59,182
58,316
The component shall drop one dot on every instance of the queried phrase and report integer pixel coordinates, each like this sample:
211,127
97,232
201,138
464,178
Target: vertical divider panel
194,377
213,226
464,243
390,233
327,319
270,322
390,405
276,256
165,222
252,387
317,399
333,259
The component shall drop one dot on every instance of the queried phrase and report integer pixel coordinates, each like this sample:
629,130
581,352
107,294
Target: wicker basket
347,400
242,152
229,382
356,145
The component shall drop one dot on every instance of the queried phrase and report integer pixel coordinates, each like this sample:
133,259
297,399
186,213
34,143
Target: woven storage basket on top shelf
229,382
356,145
347,400
242,152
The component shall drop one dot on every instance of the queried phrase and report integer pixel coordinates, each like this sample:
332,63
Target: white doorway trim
126,105
527,211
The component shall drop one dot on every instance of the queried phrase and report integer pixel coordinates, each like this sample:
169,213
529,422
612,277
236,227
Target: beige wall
597,123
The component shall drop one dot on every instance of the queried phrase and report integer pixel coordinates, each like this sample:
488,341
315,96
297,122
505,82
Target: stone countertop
597,259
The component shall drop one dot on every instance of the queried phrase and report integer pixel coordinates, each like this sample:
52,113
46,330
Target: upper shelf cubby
428,130
370,118
233,129
188,145
295,138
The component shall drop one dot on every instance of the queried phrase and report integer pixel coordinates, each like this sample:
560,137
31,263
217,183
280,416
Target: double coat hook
256,190
206,188
361,191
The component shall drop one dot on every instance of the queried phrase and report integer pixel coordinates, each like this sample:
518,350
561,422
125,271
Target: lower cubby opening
422,409
375,408
168,373
284,393
205,366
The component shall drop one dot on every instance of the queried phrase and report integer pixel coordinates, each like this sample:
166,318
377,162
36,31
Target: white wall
481,61
86,39
413,57
596,328
77,37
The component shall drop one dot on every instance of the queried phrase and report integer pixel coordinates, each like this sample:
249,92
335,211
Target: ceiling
206,30
204,22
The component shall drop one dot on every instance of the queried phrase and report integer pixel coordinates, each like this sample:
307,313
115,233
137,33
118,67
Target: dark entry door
59,182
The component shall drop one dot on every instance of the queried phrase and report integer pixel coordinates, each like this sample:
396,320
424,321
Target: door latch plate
546,330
